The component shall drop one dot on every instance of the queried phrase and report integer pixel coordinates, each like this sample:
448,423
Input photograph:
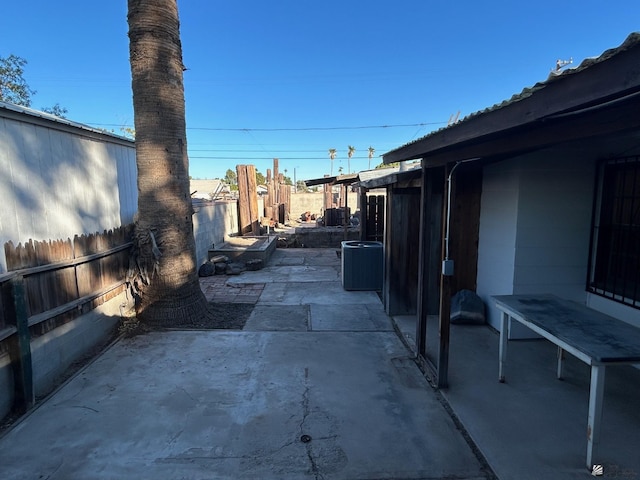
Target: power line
299,129
214,150
308,129
269,158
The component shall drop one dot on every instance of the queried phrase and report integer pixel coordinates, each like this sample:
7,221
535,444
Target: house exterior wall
615,309
535,228
60,180
213,223
497,234
553,228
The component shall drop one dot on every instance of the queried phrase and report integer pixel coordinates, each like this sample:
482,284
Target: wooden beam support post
363,213
15,307
345,218
446,280
423,265
248,200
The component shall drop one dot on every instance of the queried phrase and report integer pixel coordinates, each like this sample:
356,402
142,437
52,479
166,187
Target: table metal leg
596,395
560,362
504,338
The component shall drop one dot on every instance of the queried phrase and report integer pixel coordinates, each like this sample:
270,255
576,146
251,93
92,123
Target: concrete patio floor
534,425
318,385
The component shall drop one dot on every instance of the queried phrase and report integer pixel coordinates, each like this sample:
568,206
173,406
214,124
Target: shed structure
539,194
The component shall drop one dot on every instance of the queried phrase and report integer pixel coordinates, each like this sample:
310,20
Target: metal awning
335,180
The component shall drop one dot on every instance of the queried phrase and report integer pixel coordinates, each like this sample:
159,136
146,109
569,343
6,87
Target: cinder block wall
314,203
213,223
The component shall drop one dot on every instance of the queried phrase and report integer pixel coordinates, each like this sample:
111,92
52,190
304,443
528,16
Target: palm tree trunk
168,286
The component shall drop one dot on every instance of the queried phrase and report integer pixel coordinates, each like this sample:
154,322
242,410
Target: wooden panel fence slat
59,272
41,292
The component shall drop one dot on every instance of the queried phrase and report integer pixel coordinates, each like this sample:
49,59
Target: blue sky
293,78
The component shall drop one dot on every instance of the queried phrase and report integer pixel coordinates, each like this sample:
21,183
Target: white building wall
213,223
554,226
497,236
543,210
59,179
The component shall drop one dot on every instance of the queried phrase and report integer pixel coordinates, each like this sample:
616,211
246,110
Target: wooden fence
373,222
51,283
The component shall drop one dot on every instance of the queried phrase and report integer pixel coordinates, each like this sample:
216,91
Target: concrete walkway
317,386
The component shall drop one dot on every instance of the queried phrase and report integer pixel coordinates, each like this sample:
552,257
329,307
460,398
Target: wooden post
248,200
328,195
345,219
446,280
15,307
423,264
283,201
363,213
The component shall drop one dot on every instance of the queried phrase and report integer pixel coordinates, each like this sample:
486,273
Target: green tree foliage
332,156
13,86
56,110
260,180
371,152
351,151
231,178
301,187
128,132
387,165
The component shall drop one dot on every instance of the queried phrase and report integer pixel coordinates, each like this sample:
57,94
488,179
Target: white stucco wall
59,180
534,228
213,223
497,235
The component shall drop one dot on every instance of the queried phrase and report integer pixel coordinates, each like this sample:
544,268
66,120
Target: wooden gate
374,220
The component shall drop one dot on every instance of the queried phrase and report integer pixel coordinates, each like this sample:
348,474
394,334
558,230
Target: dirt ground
227,316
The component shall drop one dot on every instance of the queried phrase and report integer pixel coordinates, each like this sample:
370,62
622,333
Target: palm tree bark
167,283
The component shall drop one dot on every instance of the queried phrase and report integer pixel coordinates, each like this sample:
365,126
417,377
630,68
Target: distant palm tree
371,152
332,156
350,153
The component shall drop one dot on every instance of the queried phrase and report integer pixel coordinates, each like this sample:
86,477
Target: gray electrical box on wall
447,268
362,265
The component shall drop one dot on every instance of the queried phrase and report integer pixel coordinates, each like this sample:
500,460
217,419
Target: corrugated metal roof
365,175
206,188
393,177
631,41
53,118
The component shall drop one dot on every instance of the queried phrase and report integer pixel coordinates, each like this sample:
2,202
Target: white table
595,338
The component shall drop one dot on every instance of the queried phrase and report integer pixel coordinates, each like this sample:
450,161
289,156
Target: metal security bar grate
615,269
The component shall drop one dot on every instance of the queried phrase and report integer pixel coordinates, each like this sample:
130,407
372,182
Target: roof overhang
600,97
405,178
333,180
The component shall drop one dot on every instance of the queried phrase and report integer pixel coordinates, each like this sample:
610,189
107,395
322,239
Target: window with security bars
615,255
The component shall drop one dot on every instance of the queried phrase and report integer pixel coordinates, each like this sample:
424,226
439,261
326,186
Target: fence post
15,307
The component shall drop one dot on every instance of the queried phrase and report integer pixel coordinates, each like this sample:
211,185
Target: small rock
254,264
207,269
234,269
220,268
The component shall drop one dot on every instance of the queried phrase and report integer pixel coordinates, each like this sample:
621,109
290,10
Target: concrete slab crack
306,411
